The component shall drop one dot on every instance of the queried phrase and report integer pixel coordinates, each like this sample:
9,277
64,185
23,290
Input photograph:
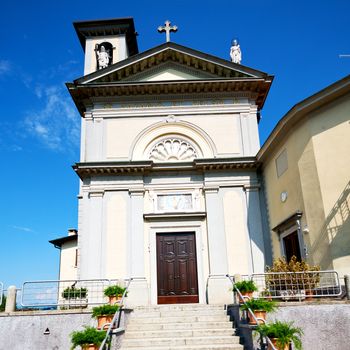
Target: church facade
170,194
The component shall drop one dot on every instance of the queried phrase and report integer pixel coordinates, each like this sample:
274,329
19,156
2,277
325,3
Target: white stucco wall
122,131
68,268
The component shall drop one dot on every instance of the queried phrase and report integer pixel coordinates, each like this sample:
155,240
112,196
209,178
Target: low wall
25,329
326,325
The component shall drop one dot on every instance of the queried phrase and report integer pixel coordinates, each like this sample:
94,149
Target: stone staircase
185,326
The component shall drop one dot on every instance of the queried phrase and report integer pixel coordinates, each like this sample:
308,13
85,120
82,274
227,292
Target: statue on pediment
235,52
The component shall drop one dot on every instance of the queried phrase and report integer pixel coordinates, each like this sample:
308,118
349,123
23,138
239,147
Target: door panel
177,268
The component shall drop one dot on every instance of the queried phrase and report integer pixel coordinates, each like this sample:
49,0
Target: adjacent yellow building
306,170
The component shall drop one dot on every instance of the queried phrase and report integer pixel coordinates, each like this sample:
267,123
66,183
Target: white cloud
5,67
56,123
21,228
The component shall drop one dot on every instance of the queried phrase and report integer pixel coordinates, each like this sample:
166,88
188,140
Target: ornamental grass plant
259,304
284,333
88,336
74,293
246,286
113,291
104,310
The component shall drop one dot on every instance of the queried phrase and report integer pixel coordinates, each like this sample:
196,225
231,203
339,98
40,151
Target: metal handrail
328,284
251,313
117,317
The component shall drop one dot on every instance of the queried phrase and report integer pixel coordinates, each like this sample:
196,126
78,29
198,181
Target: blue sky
297,41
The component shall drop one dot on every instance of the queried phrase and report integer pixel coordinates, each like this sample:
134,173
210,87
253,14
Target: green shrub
285,333
246,286
113,291
104,310
89,335
260,304
74,293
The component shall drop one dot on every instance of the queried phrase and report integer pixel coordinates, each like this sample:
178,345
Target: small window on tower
104,54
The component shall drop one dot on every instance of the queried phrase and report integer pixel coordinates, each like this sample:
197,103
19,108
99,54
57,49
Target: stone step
180,325
178,333
175,307
179,319
150,342
172,313
190,347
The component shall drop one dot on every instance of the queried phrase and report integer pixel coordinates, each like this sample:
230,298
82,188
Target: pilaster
218,283
92,236
138,290
255,227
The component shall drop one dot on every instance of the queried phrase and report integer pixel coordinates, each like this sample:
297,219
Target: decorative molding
176,216
96,194
290,221
136,191
251,187
211,189
172,149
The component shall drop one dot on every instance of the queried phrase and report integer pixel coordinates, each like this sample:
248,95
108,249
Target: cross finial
167,29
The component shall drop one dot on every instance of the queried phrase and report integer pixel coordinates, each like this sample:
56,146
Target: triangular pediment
169,71
170,62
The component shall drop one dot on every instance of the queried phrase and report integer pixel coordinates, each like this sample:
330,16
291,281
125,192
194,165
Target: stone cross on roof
167,29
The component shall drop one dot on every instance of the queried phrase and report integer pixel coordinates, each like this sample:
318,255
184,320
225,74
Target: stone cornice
83,94
88,169
176,216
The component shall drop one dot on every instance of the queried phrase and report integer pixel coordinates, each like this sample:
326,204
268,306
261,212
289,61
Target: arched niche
107,47
173,135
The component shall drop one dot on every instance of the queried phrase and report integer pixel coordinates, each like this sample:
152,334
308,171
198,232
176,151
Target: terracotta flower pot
90,347
257,314
114,299
102,320
246,294
309,295
274,342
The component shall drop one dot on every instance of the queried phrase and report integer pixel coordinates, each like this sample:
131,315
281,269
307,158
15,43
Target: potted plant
281,334
104,314
247,288
74,293
89,339
292,279
114,293
75,297
259,307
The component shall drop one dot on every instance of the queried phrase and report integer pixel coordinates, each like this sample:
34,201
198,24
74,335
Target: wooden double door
177,268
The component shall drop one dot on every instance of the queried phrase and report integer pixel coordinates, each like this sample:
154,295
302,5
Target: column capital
211,189
251,187
96,193
137,191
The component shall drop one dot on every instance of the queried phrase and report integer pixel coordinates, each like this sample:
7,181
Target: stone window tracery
172,149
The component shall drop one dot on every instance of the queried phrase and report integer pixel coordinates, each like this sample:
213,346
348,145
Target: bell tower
106,42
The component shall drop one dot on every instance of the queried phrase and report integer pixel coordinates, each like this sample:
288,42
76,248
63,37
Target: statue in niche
104,54
235,52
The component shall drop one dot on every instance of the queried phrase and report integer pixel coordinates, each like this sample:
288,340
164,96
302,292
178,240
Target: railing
257,320
297,285
1,292
115,321
65,294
